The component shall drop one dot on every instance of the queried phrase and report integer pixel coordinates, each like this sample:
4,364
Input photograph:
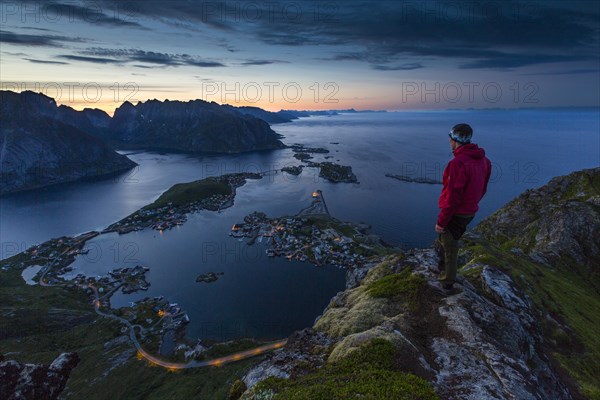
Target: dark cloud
33,60
93,12
403,67
30,28
387,31
262,62
473,34
95,60
15,54
36,40
508,61
568,72
118,56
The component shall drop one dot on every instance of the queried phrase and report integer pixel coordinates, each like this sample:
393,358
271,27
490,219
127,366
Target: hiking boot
445,289
438,287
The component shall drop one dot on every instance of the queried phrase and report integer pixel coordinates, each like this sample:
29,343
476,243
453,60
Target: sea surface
270,297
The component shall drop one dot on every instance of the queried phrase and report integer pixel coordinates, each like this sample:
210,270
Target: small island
406,178
293,169
209,277
300,148
334,172
302,156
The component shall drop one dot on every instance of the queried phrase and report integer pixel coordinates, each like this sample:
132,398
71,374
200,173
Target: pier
317,207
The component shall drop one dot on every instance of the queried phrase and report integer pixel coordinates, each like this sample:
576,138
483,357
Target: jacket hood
470,150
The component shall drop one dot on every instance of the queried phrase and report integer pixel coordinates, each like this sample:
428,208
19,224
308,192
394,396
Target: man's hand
439,229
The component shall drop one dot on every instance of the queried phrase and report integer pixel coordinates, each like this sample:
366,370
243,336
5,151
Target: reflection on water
527,148
257,296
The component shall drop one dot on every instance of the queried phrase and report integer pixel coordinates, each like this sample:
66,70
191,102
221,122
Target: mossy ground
382,295
369,373
562,293
404,284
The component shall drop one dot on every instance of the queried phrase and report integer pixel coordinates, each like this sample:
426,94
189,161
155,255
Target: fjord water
527,148
265,297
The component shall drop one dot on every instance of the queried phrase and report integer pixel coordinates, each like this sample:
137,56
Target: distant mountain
193,126
38,149
308,113
92,121
278,117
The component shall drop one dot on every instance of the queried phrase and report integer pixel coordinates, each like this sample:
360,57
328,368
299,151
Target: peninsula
313,235
172,207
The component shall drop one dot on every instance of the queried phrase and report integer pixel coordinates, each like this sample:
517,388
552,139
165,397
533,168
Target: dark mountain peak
44,144
191,126
25,103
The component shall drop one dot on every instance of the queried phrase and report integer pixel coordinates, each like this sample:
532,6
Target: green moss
564,292
237,389
367,373
581,186
404,284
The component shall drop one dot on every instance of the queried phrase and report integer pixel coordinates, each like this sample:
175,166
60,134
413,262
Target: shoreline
56,255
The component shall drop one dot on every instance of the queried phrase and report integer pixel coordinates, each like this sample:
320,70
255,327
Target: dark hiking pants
447,247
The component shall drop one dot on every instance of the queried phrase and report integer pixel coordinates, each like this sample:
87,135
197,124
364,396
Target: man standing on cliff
464,183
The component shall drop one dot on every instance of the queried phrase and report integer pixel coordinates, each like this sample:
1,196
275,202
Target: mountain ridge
193,126
43,143
522,323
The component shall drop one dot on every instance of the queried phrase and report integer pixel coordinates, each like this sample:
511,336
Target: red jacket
465,182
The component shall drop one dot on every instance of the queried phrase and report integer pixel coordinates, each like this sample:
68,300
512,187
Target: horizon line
115,105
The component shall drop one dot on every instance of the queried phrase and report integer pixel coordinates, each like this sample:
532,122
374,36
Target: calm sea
264,297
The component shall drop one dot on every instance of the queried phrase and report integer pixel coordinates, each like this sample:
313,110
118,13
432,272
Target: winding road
216,362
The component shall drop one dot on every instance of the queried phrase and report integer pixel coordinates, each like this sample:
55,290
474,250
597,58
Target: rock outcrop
35,382
38,149
558,220
507,331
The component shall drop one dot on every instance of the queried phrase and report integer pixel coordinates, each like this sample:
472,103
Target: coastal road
47,268
215,362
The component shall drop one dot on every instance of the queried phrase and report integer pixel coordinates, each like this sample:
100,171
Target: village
59,252
168,216
160,323
311,235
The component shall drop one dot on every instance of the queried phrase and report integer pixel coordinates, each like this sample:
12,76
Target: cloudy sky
392,55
